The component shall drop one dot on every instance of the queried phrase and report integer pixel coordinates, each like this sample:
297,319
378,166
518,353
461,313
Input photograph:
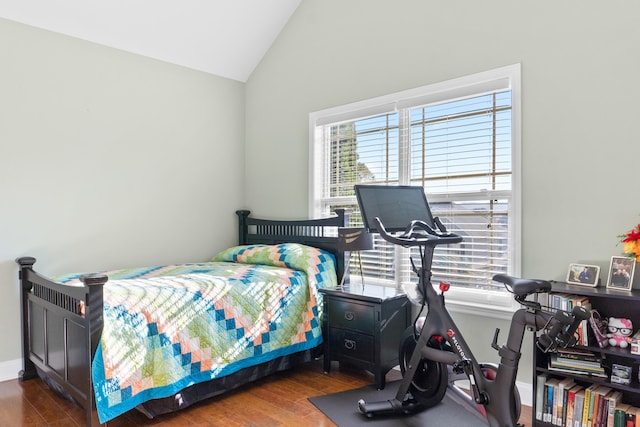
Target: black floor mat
342,408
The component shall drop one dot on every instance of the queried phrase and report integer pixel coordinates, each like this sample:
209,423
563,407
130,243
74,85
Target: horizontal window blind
484,251
462,146
460,150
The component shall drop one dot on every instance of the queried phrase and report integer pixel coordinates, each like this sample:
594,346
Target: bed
162,338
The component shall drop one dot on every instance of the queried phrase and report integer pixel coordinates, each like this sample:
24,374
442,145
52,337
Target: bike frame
497,394
494,394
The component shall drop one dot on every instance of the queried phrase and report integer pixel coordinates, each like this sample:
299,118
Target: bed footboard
61,329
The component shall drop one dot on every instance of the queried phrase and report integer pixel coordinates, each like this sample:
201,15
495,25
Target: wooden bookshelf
609,303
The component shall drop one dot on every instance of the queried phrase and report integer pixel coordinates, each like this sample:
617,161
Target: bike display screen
396,206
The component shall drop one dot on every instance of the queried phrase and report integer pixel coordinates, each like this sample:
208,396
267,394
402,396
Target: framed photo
621,273
583,274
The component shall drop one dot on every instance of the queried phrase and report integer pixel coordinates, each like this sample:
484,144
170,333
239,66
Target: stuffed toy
620,331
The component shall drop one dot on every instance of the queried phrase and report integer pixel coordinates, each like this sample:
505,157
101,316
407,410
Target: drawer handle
349,315
349,344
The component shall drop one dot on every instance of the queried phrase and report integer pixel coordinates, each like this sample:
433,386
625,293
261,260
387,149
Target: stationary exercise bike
433,353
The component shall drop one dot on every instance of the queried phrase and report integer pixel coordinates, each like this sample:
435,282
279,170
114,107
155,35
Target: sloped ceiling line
227,38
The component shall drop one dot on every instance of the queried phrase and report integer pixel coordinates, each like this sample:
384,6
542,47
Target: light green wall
117,139
580,92
109,159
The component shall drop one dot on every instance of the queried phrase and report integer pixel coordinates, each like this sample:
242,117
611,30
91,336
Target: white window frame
490,303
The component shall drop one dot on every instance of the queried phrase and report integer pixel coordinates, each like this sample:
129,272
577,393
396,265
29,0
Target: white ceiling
227,38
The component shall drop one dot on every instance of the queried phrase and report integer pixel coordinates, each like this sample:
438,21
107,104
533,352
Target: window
460,141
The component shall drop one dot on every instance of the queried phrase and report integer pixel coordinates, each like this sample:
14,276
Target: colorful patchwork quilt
168,327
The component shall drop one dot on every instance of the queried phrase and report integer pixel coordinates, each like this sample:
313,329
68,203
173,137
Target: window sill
490,304
484,310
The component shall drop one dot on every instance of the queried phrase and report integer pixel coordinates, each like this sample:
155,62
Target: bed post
28,368
94,309
342,258
94,315
243,228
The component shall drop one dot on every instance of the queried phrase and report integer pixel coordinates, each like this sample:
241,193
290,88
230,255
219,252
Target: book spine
565,407
601,411
554,405
587,404
619,418
540,396
593,409
568,421
613,400
548,403
577,412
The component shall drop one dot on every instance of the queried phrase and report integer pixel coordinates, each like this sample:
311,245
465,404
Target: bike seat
523,287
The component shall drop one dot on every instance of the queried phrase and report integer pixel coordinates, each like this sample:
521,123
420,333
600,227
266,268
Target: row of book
562,402
577,361
566,302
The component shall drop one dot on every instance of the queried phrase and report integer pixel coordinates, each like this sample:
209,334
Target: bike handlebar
563,325
419,233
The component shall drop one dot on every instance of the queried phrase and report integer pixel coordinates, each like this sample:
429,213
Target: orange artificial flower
631,242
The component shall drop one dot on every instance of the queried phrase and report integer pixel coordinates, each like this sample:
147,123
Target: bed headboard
320,233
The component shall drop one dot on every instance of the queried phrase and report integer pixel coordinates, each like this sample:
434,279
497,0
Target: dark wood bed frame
62,324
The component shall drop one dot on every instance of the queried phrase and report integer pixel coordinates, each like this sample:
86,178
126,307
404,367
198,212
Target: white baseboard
526,393
9,370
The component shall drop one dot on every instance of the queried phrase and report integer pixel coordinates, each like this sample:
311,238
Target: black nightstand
363,326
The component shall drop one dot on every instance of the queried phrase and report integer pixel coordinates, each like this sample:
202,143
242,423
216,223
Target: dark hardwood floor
278,400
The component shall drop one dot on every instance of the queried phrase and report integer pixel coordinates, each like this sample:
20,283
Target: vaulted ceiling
227,38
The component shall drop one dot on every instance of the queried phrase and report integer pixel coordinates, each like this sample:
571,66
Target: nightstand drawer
364,328
349,315
352,344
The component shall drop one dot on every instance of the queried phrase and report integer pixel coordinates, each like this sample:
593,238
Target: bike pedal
460,366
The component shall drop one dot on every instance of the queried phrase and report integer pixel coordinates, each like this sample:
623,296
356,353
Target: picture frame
583,275
621,273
